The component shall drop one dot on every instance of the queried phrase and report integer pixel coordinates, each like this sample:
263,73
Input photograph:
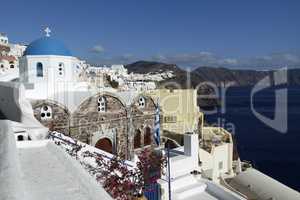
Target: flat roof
48,173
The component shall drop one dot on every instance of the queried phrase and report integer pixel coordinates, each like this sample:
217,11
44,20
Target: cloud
97,49
196,59
122,59
275,60
231,61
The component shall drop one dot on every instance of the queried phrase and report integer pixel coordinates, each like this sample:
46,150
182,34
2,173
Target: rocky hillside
215,75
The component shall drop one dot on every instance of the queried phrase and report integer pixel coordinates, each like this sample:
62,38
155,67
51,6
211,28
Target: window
61,69
102,104
142,102
39,70
147,136
12,66
170,119
46,113
20,138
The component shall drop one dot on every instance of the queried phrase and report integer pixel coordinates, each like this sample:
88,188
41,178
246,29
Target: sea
270,151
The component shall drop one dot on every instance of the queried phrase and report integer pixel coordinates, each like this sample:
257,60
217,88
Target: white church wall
58,74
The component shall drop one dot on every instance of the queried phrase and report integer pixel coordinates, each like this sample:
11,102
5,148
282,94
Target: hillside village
61,115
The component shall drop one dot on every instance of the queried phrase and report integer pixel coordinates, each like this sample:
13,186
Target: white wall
52,81
211,161
11,187
184,164
15,107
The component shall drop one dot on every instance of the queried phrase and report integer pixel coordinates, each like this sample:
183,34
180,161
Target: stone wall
118,123
60,116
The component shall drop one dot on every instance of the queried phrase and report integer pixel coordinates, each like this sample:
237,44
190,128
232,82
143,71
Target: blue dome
47,46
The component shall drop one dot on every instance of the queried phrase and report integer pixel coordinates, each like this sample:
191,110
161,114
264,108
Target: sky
231,33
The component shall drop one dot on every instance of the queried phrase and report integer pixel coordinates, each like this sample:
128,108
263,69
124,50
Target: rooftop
48,171
214,136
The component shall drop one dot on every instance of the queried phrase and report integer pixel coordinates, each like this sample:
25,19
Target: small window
102,103
46,113
142,102
39,70
61,69
170,119
20,138
12,66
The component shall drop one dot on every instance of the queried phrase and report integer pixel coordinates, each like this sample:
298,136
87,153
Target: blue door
152,191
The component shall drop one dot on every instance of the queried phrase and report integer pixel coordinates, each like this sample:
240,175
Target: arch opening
137,139
147,136
104,144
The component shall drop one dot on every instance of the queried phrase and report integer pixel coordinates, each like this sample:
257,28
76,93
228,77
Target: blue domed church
111,120
47,67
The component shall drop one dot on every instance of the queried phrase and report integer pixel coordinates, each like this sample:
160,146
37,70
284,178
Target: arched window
102,103
142,102
61,69
147,136
39,70
137,139
46,113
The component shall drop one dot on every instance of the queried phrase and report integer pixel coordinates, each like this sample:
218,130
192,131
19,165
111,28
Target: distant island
216,75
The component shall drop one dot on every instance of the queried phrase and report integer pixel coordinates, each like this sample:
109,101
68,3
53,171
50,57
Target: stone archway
104,144
147,136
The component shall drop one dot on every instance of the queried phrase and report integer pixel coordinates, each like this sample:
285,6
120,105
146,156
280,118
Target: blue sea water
273,153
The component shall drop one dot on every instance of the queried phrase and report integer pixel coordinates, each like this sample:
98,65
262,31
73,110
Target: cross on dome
47,31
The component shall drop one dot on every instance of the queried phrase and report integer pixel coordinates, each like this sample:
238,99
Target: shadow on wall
175,137
9,105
